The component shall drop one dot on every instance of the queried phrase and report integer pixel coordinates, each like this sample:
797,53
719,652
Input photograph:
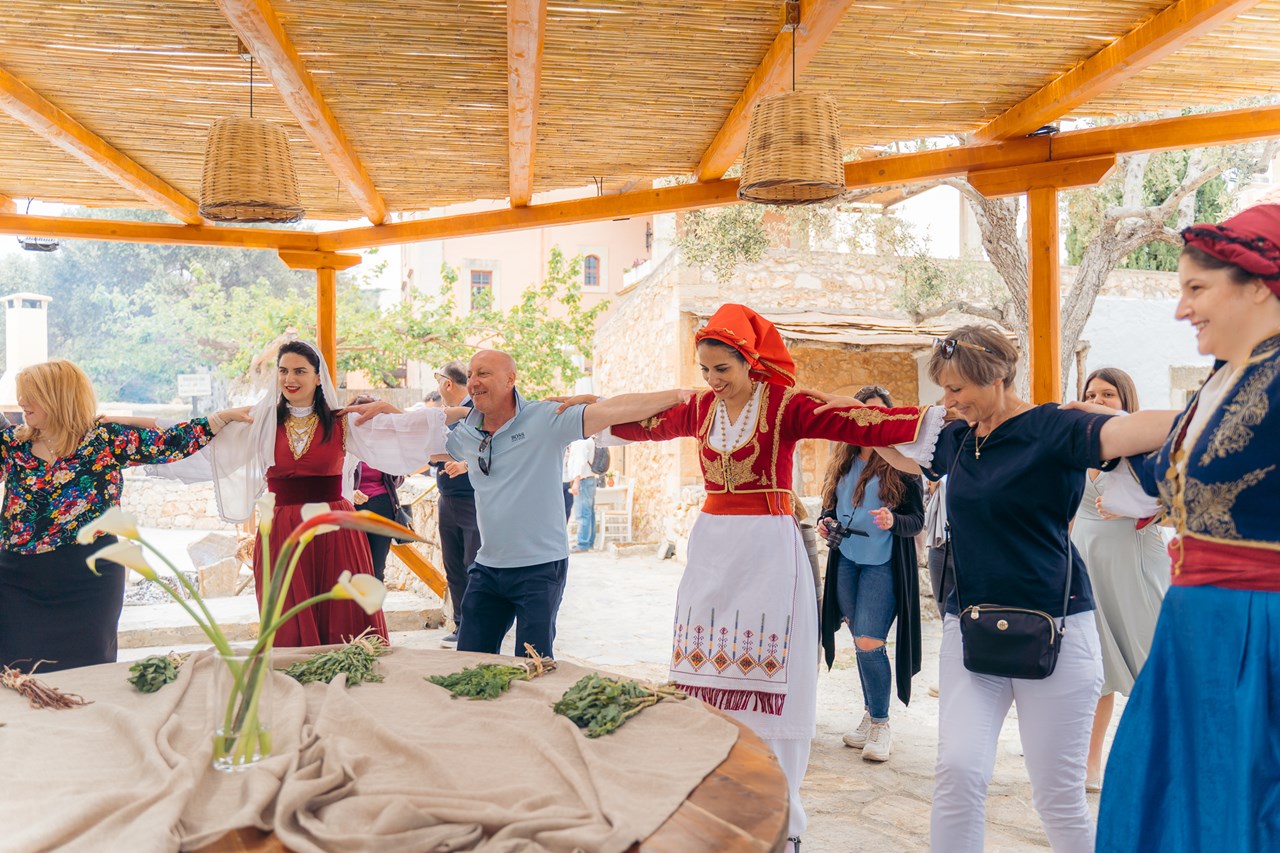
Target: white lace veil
242,453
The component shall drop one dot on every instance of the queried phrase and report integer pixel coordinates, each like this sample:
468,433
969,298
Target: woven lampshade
248,173
793,151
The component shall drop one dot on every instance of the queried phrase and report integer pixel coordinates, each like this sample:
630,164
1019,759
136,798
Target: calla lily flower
266,507
365,590
312,512
128,554
114,520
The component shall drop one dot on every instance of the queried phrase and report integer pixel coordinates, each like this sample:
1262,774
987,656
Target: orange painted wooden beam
295,260
8,205
70,228
1060,175
259,28
1044,297
526,27
593,209
1143,46
57,127
327,317
818,19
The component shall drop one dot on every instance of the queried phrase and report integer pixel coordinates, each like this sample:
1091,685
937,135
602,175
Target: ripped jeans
867,602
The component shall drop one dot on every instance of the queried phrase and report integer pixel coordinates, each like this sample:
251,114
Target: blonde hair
66,395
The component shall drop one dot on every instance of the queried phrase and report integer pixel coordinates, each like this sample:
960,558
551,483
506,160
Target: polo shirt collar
475,418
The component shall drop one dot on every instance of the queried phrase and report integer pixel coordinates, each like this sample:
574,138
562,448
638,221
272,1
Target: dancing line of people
1034,506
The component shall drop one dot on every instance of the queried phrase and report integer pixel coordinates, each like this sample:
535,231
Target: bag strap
955,573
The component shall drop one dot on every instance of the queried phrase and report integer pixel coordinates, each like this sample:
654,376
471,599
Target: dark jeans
459,542
568,500
527,595
379,546
866,598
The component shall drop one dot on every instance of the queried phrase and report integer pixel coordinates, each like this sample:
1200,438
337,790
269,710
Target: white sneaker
858,737
879,744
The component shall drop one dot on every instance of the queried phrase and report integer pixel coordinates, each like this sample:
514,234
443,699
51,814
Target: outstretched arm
1130,435
627,408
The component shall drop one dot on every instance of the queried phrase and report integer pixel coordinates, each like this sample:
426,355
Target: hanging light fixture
793,151
248,170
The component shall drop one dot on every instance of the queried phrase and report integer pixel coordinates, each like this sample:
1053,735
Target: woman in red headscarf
1196,760
746,624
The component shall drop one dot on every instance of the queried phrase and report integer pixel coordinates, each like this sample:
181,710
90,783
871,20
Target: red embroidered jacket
755,477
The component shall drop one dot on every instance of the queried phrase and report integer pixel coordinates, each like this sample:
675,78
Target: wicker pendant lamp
793,151
248,170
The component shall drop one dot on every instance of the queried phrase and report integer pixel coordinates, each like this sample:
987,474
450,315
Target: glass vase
241,710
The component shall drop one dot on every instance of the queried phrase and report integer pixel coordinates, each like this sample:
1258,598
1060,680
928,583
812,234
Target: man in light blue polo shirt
514,450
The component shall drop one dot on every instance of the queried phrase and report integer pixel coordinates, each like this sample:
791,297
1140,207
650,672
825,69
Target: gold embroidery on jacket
651,423
1209,506
871,417
1247,408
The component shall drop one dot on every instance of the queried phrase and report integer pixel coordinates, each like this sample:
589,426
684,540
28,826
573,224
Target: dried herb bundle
601,704
356,659
150,674
491,680
39,694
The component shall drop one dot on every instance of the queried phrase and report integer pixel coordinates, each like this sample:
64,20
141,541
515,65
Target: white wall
1141,337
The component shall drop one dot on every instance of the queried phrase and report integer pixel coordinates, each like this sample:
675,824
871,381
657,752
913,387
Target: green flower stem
209,628
282,580
265,541
267,638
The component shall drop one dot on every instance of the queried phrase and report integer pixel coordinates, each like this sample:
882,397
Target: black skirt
55,611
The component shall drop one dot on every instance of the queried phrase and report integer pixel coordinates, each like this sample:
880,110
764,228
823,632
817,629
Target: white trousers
1055,717
793,755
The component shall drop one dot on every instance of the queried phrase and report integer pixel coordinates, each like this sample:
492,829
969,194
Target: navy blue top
459,486
1008,511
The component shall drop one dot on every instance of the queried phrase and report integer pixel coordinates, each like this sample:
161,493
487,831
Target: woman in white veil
301,446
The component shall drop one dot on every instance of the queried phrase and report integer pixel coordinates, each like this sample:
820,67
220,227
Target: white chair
613,512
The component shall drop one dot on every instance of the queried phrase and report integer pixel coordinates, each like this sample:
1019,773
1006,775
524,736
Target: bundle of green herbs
491,680
355,660
150,674
601,705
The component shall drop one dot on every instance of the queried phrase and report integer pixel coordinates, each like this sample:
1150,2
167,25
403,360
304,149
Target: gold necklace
299,432
744,420
978,442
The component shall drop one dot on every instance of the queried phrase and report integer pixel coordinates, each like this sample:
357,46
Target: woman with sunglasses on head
1128,569
303,448
871,515
1196,760
1015,474
746,622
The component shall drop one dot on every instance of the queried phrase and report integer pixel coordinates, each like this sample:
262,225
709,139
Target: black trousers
53,609
380,546
568,500
529,596
459,542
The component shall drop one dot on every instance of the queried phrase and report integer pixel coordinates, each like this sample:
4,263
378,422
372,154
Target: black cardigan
908,520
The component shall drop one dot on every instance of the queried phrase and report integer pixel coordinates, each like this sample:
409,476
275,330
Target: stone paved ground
617,616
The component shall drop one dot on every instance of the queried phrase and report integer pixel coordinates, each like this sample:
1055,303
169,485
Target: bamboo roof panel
1238,60
419,88
639,88
899,73
32,168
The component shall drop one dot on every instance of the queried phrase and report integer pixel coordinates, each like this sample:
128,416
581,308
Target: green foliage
483,681
152,673
601,704
356,660
724,238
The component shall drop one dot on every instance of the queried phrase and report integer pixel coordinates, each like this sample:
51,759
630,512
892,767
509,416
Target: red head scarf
1250,240
755,338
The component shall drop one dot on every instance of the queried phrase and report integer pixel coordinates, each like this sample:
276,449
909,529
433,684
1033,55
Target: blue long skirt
1196,760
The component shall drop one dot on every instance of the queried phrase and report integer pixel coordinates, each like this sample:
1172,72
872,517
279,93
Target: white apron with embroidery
746,623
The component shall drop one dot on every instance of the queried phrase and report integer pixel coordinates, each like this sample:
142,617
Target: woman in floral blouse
61,472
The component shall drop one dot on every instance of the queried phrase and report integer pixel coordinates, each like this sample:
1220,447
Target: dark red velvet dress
314,477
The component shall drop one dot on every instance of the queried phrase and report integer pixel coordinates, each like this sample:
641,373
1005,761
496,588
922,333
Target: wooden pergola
401,106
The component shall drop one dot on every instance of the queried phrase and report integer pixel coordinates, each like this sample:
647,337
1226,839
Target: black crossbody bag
1011,642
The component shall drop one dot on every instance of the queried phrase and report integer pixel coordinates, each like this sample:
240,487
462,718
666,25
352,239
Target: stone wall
158,502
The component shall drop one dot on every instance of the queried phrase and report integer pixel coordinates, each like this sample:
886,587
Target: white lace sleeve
398,444
1122,494
921,450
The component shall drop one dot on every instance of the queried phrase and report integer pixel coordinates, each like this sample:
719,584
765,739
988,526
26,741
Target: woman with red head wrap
746,625
1196,760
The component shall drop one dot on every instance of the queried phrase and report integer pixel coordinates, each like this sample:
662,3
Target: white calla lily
127,554
365,590
266,508
114,520
310,511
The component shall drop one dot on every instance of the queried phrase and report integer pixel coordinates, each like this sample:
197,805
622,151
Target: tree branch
964,307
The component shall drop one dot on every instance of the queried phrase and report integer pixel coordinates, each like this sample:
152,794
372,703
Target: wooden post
1045,332
327,317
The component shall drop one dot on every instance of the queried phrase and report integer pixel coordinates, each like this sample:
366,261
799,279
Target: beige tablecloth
391,766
